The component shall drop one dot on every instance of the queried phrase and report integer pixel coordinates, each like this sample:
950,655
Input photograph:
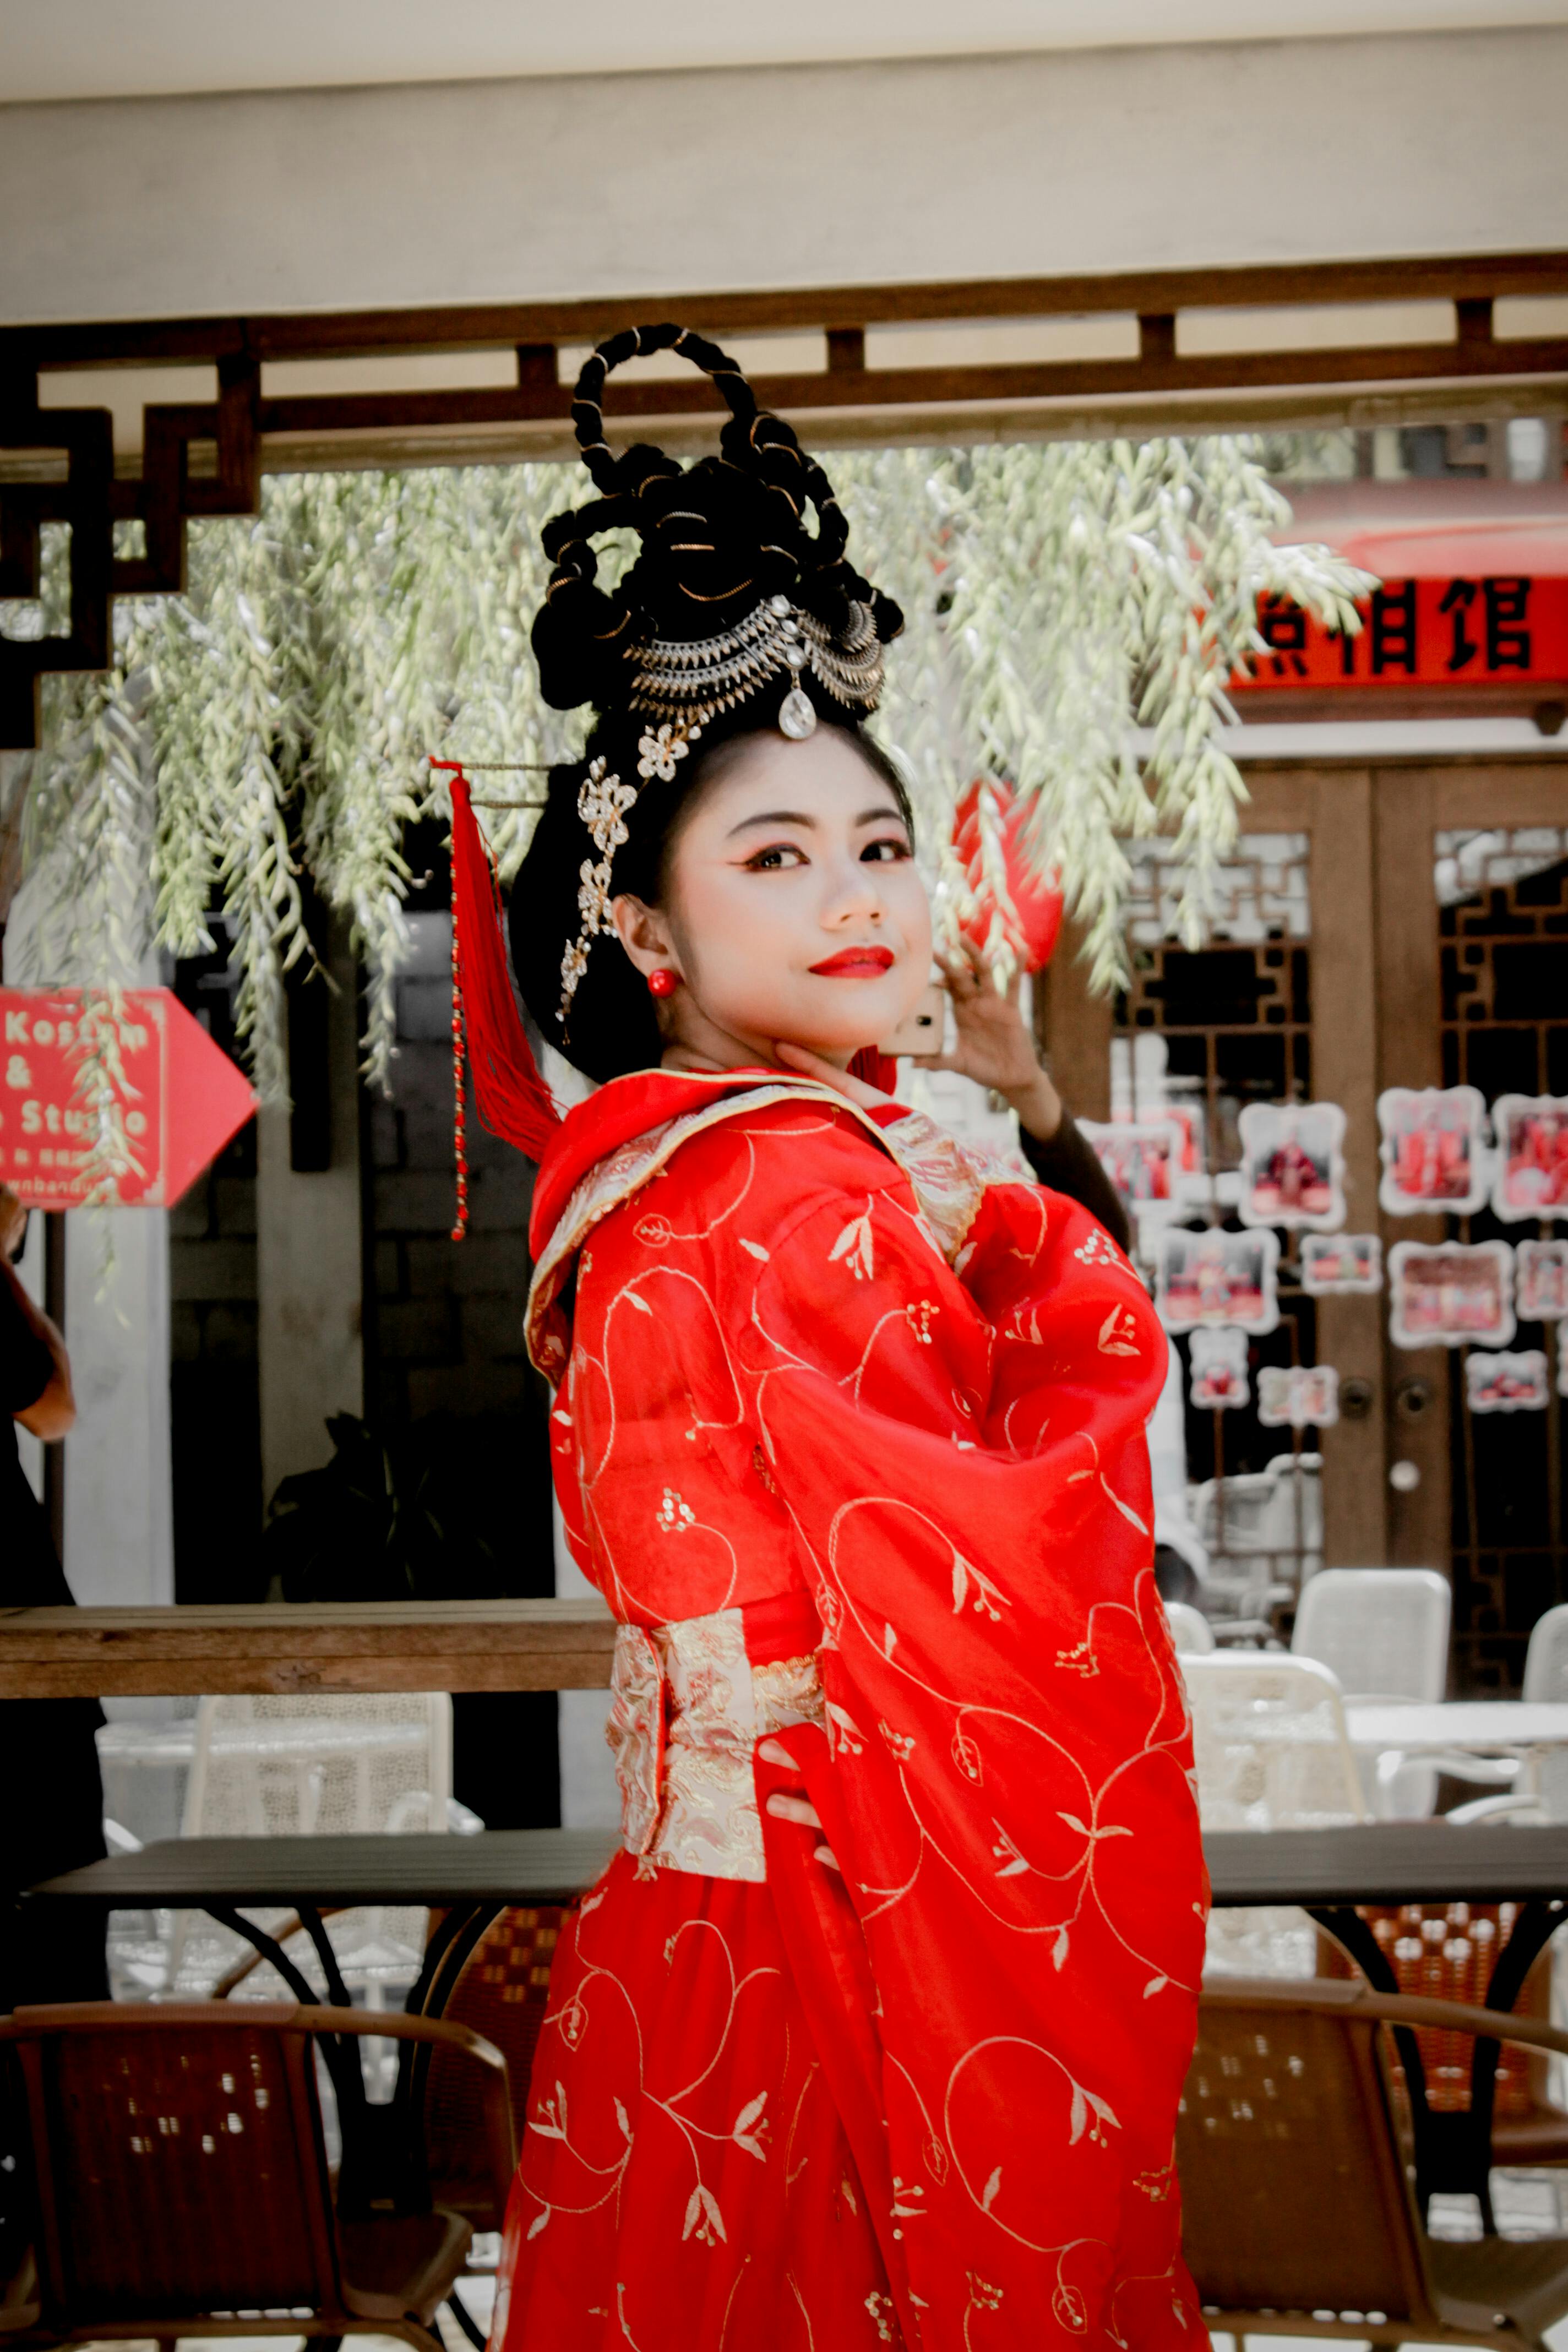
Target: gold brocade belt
687,1706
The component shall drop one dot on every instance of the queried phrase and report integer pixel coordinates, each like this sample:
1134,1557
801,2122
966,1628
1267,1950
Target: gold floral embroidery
948,1180
688,1708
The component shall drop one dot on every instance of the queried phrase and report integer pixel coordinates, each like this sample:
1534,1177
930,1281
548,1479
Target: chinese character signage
1489,631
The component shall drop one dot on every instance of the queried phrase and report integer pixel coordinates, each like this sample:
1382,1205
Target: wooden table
306,1646
497,1867
1327,1872
1377,1861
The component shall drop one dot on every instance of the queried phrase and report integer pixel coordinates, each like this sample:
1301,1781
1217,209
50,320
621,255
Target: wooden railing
454,1646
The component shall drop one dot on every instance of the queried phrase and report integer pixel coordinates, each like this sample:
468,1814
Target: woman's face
794,910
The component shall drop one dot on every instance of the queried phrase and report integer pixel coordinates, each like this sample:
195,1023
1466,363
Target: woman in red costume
874,2033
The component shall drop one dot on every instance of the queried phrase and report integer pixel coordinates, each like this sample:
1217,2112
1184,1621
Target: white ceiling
124,48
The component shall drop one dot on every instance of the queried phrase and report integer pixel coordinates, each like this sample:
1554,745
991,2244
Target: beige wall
1089,160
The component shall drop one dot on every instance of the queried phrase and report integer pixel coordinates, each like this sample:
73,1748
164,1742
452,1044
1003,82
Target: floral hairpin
603,802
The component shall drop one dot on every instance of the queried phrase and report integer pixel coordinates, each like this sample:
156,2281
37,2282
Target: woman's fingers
961,970
773,1751
785,1808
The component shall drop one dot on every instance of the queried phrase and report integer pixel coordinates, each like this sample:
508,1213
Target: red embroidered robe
827,1378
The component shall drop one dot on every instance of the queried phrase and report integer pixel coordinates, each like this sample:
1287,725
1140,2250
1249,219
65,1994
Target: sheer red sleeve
1005,1787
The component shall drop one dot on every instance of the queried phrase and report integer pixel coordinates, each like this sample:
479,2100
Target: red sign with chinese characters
181,1097
1495,630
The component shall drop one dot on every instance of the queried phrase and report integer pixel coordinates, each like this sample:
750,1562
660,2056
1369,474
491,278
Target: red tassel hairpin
509,1096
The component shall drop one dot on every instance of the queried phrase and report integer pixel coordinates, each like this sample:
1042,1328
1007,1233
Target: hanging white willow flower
1075,612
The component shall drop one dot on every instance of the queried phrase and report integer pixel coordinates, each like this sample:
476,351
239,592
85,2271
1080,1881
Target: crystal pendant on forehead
797,715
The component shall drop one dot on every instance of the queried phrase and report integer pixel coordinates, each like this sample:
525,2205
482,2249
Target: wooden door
1413,962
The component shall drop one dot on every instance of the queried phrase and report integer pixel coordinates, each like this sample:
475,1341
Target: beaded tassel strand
459,1102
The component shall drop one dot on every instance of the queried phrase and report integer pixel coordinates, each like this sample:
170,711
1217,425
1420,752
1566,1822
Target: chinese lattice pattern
1469,863
1261,892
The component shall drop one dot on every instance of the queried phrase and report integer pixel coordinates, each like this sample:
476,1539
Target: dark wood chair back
1293,2193
180,2165
180,2173
1299,2211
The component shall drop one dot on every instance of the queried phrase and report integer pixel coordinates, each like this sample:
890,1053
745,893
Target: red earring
662,981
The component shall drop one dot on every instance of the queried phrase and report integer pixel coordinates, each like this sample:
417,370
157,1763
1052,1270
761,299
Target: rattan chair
497,1985
1298,2216
182,2187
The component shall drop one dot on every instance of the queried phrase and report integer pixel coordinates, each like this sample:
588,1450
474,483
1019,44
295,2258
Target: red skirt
686,2182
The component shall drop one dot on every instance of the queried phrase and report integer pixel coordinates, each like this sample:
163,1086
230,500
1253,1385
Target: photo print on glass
1434,1149
1541,1281
1211,1278
1188,1117
1297,1396
1445,1293
1293,1165
1218,1364
1531,1175
1141,1157
1341,1264
1506,1383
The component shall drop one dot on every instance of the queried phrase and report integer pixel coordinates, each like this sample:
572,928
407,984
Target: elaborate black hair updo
733,619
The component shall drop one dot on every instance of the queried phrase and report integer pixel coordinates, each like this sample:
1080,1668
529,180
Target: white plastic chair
1383,1631
318,1765
1190,1629
1540,1785
1263,1531
1546,1660
1272,1752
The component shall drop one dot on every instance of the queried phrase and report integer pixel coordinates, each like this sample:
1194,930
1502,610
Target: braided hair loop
717,537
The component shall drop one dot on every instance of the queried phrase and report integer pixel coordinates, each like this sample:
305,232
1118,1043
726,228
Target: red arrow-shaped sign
181,1097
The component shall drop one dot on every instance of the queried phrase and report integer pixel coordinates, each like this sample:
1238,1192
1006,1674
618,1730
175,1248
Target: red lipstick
856,963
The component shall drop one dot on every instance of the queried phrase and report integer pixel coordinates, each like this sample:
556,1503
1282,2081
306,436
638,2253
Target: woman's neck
716,1050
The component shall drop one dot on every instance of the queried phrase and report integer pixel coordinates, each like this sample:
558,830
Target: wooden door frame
1375,1004
1372,827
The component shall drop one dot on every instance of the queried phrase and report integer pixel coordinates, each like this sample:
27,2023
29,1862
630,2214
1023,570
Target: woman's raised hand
992,1045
